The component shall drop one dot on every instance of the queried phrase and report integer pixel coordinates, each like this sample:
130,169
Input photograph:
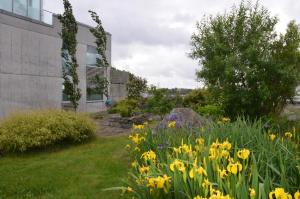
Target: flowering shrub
213,163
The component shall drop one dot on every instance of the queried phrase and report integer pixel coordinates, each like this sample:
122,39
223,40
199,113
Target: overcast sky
151,38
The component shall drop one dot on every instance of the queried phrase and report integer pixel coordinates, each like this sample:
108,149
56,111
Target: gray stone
292,118
184,117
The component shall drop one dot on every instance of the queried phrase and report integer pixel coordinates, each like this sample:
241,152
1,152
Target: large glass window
66,59
6,5
93,75
20,7
92,56
34,9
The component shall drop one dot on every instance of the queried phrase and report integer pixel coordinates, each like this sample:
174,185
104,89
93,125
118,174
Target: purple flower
172,117
159,146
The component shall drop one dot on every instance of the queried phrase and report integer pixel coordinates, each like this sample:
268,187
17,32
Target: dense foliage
160,102
247,66
126,107
32,130
135,87
210,110
197,97
224,160
68,52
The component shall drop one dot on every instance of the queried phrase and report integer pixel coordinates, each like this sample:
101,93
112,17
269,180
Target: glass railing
20,7
47,17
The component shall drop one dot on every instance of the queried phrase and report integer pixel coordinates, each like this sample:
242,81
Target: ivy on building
68,53
101,41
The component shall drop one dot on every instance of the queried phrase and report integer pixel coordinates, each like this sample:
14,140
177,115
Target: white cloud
151,38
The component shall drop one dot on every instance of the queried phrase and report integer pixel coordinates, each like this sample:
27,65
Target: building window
93,93
6,5
92,56
65,59
20,7
34,9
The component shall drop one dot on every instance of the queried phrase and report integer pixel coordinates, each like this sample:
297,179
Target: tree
68,53
101,41
135,87
160,102
246,65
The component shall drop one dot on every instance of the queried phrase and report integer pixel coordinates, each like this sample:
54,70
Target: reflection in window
92,56
6,5
64,95
66,59
34,7
20,7
92,89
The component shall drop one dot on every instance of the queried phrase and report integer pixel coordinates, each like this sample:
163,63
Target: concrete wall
118,84
30,64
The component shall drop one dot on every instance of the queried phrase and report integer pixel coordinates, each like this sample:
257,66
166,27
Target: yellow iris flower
297,195
159,182
144,170
138,127
243,154
234,168
177,164
201,171
136,138
252,193
272,137
279,193
222,173
149,155
288,134
172,124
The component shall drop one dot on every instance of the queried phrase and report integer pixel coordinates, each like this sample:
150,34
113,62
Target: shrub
211,110
235,160
125,107
160,102
38,129
197,97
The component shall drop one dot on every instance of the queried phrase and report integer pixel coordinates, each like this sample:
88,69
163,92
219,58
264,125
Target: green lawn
80,171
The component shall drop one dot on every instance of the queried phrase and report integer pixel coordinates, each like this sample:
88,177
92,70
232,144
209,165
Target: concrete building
31,63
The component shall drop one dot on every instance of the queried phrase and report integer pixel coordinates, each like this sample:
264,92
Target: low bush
223,160
38,129
197,97
210,110
125,107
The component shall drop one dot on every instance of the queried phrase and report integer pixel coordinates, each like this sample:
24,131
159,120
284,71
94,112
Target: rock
292,118
184,117
115,120
139,119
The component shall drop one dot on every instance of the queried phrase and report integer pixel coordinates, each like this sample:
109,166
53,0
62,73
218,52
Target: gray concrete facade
31,65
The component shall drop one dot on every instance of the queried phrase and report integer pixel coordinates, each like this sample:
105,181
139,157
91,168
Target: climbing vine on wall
68,53
101,40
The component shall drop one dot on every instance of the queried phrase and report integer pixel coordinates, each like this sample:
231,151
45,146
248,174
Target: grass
80,171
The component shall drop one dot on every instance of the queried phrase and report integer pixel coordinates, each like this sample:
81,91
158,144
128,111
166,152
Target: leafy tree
246,65
135,87
68,53
101,41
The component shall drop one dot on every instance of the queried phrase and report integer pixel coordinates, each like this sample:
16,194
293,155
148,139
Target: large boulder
184,117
